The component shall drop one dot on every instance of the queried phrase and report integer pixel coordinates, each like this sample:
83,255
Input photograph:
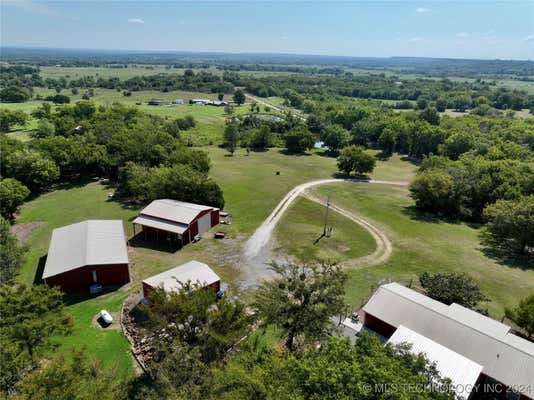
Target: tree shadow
289,153
383,155
505,255
75,183
424,216
153,244
38,277
351,178
411,160
74,298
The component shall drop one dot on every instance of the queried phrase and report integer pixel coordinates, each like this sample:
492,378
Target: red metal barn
87,253
176,221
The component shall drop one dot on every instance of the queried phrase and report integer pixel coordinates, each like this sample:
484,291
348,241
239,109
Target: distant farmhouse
468,347
206,102
173,279
176,221
85,254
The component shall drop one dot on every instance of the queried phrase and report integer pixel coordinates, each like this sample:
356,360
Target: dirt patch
24,232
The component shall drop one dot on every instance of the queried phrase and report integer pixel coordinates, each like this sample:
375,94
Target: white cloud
417,39
422,10
462,35
136,21
529,38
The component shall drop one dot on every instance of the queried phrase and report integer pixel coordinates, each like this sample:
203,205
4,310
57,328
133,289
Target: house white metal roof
503,356
172,279
174,211
462,371
92,242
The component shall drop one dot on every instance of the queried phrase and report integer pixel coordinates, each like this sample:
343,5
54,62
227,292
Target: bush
452,288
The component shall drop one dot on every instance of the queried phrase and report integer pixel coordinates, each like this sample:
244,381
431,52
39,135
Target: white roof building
192,271
92,242
462,372
503,356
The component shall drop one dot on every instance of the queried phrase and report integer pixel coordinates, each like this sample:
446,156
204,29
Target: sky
459,29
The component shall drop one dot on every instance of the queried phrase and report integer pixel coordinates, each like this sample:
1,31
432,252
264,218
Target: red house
176,221
87,253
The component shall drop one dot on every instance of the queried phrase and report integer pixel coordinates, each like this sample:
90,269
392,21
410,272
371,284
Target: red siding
193,228
378,326
214,218
79,280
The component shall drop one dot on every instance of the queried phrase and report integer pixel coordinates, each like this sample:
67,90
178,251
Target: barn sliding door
204,223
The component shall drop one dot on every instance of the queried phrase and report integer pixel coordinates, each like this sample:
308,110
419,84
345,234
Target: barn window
95,280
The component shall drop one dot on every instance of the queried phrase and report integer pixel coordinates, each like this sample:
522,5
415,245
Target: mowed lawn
299,235
421,245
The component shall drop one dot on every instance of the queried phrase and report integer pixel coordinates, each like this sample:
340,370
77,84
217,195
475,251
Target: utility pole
325,230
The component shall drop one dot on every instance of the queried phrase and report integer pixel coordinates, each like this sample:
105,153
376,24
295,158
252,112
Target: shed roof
92,242
163,225
172,279
462,371
504,356
173,210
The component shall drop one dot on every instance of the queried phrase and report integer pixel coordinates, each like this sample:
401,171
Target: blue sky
463,29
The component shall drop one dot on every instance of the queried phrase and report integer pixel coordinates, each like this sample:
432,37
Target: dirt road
256,252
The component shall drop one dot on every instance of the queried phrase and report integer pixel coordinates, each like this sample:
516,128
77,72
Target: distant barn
87,253
173,279
176,221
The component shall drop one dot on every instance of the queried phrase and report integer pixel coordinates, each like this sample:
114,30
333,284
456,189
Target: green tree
231,138
299,140
387,141
31,316
12,195
354,158
301,300
430,115
32,169
239,97
511,224
432,191
11,254
77,377
452,288
9,118
45,128
220,96
14,94
335,137
523,314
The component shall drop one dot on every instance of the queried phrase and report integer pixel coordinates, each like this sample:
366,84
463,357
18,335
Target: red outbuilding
176,221
85,254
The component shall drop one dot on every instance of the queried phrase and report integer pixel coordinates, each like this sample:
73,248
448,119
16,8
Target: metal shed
87,253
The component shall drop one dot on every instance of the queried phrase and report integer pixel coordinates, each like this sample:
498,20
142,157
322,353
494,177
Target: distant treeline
436,67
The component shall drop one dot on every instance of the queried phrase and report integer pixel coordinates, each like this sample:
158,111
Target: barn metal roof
92,242
504,356
462,371
157,223
173,210
172,279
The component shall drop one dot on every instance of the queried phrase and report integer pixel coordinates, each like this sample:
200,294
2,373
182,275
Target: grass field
210,120
424,245
107,72
302,226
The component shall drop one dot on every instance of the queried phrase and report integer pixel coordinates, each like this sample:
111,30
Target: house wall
379,326
79,280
